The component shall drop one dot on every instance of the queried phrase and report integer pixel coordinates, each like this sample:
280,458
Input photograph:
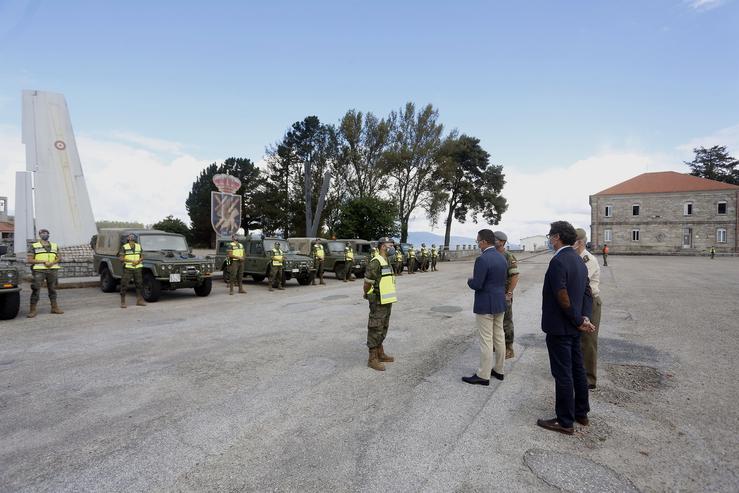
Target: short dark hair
565,230
486,235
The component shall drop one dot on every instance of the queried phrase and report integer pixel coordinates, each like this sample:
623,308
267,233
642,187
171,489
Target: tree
198,200
173,225
368,218
411,160
362,141
466,183
714,164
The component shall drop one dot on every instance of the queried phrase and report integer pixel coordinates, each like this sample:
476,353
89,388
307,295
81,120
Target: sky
569,97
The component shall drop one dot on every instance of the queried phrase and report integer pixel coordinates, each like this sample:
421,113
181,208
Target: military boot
32,311
374,360
123,301
140,300
509,351
231,289
55,308
242,290
385,358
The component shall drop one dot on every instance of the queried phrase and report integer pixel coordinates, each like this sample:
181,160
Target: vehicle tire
339,271
204,288
225,273
10,303
152,288
108,283
307,279
258,277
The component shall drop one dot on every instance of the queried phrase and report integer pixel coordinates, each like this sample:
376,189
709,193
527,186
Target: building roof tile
666,182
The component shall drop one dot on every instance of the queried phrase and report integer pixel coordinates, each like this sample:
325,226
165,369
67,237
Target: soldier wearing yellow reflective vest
44,258
349,255
235,254
276,272
434,257
318,256
379,290
133,261
424,258
398,261
411,260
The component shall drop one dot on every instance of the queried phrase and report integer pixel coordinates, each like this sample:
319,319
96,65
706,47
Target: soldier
235,258
512,280
411,260
589,340
44,258
398,261
275,273
379,290
318,256
349,255
424,258
434,257
133,261
605,255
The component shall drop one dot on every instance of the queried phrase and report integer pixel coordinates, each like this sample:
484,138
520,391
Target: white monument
57,187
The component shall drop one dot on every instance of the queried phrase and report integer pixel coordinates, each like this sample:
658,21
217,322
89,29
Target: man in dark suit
488,281
566,308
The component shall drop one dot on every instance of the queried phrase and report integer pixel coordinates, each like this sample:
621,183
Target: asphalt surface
271,392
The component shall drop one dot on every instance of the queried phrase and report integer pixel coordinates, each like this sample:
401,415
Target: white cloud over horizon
704,4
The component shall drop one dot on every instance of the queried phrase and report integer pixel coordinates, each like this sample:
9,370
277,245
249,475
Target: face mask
391,251
44,236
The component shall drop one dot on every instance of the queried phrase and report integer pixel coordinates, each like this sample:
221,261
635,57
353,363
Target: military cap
384,239
581,234
499,235
43,230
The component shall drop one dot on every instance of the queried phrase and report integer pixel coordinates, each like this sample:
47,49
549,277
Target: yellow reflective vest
237,249
318,251
398,256
411,253
387,282
277,258
434,253
41,253
349,253
131,254
424,252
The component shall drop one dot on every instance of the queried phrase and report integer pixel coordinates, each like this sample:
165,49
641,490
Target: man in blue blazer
488,281
566,307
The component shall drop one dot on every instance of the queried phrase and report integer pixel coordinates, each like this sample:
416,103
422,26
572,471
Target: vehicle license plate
174,277
296,270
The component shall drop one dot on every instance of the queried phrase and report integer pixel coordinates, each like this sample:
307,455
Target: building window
635,210
721,208
609,210
721,235
688,209
607,235
634,235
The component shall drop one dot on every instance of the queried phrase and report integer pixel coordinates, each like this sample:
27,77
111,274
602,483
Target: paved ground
270,391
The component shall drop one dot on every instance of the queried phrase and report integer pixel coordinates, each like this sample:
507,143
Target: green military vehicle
334,259
168,262
258,261
10,292
362,254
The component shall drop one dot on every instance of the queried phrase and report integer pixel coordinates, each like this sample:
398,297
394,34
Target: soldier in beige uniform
511,282
589,340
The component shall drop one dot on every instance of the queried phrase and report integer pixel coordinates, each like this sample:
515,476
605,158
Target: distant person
411,260
349,256
44,258
276,273
589,340
489,280
434,257
512,281
566,306
318,257
605,255
132,257
424,258
713,251
398,260
235,253
379,290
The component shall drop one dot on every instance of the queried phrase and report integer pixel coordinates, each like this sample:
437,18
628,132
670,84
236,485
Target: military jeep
258,260
10,292
334,258
168,262
362,254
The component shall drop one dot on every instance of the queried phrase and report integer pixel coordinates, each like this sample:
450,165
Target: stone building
666,212
534,243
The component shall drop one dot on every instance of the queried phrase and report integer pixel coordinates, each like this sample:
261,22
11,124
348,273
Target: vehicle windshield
270,244
405,246
154,243
364,248
336,246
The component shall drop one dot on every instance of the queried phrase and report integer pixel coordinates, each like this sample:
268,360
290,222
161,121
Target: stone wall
76,262
662,221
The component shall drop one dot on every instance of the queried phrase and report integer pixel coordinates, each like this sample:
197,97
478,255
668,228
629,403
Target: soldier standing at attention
511,281
424,258
318,256
434,257
235,254
379,290
605,255
398,261
275,273
349,255
411,260
43,256
589,340
133,261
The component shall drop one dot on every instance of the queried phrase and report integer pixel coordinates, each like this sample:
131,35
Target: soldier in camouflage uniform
379,290
349,265
235,257
500,240
434,257
411,260
276,272
43,257
318,255
398,261
424,258
130,254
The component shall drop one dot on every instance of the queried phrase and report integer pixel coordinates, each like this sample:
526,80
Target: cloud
728,137
704,4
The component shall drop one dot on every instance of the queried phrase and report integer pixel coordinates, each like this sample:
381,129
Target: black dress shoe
583,420
553,424
475,380
497,375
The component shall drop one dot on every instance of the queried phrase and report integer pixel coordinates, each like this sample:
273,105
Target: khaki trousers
490,332
589,344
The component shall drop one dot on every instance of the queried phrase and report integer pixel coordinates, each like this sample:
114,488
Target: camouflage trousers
378,323
39,276
235,273
605,259
411,265
319,270
276,274
433,263
589,344
508,323
399,268
138,280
